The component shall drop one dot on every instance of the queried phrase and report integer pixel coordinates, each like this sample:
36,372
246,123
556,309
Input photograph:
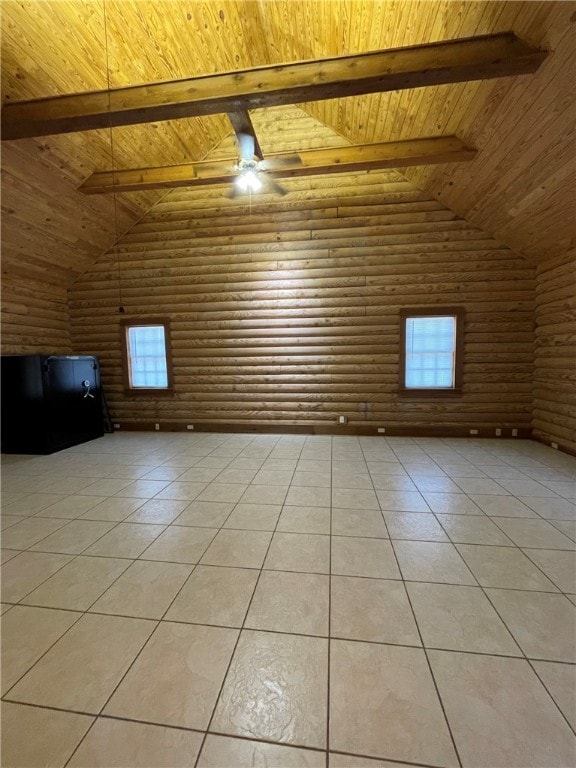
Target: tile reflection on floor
229,600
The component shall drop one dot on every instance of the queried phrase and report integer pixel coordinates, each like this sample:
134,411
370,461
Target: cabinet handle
86,386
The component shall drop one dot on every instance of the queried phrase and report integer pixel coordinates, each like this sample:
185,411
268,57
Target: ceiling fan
252,168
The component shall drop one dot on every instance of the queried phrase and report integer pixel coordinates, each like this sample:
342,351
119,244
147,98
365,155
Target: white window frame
430,312
126,325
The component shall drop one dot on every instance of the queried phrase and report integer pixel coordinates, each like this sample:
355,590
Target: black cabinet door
24,428
72,400
49,402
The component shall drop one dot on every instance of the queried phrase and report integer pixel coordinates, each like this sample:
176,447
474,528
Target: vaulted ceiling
520,188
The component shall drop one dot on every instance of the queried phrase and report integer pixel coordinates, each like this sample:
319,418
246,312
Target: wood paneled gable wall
285,311
35,317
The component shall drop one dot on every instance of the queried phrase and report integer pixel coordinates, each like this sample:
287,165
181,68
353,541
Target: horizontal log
167,241
384,204
178,205
256,225
269,396
296,307
370,261
229,281
189,334
405,243
284,415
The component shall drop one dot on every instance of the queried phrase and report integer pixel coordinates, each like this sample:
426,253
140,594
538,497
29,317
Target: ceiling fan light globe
248,181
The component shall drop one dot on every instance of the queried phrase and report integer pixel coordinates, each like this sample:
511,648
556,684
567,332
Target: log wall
555,354
285,312
35,317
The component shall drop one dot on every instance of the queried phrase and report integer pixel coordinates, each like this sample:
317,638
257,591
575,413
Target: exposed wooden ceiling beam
364,157
451,61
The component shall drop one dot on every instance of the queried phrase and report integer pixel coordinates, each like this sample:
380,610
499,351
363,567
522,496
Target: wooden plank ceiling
519,188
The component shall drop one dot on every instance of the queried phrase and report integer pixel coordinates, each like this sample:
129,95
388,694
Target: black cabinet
49,402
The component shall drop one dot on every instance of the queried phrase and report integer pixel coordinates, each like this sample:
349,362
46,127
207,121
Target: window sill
143,392
439,394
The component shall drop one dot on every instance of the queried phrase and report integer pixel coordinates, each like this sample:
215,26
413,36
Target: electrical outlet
473,431
116,426
554,445
514,433
382,430
341,419
189,426
156,427
498,432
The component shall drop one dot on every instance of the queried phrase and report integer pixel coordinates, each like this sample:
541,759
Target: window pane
147,356
430,352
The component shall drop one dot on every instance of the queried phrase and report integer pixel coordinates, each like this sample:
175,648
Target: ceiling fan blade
233,192
272,185
244,130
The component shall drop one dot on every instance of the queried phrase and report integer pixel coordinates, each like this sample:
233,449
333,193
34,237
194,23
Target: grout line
220,734
50,707
537,565
199,731
549,692
555,591
329,666
440,701
175,524
6,693
528,659
429,663
37,586
76,748
224,527
395,760
233,654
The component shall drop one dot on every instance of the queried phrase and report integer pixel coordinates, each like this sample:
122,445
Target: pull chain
112,159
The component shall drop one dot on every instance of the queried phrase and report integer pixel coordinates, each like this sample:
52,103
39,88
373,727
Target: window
146,356
431,351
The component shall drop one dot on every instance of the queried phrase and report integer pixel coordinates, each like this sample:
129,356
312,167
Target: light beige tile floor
222,601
